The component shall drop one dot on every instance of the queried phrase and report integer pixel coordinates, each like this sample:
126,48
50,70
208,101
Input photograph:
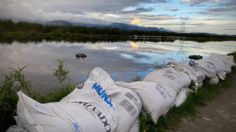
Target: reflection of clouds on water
134,45
189,47
153,58
122,60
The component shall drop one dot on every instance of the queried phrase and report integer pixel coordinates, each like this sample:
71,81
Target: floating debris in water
80,56
195,57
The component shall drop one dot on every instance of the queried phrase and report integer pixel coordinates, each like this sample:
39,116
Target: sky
211,16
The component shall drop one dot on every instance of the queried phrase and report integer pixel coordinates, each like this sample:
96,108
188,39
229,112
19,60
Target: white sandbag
219,63
222,75
194,72
17,120
66,116
16,128
229,59
206,67
157,98
214,81
135,127
126,102
128,106
181,97
197,86
170,77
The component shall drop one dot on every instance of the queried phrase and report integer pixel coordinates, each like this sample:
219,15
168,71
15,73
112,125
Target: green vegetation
13,82
23,31
61,72
137,78
16,81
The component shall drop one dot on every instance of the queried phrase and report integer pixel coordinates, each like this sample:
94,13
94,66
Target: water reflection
123,60
155,58
134,45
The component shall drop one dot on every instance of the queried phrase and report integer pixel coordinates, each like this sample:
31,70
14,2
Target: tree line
25,31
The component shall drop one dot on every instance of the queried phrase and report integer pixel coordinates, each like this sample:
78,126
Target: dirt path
218,116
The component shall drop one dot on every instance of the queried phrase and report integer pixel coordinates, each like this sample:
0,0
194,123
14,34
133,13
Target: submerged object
80,56
195,57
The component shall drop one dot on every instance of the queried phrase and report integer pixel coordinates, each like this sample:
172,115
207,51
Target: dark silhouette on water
195,57
80,56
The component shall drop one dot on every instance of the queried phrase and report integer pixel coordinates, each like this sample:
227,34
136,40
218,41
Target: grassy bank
16,81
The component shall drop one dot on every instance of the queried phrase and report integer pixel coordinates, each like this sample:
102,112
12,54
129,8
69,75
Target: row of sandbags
105,106
100,106
167,87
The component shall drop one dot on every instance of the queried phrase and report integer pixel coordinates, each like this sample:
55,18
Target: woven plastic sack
214,81
157,98
170,77
191,69
126,102
181,97
220,63
206,67
76,116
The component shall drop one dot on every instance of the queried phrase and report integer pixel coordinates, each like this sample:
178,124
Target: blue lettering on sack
76,127
102,93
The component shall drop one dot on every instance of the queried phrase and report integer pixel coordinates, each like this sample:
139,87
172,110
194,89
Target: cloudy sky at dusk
214,16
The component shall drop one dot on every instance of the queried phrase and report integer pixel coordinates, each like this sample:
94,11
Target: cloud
219,11
174,10
230,3
157,17
199,1
225,9
154,13
138,10
136,21
70,10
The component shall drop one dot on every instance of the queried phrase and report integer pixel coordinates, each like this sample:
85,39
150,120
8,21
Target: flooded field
123,60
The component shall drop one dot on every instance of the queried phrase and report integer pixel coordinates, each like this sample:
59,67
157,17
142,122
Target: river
122,60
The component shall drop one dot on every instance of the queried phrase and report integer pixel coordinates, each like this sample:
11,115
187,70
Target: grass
61,72
137,78
16,81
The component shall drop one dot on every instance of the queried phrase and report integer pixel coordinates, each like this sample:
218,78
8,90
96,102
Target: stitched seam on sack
30,119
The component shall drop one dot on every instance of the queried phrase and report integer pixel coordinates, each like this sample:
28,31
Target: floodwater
122,60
